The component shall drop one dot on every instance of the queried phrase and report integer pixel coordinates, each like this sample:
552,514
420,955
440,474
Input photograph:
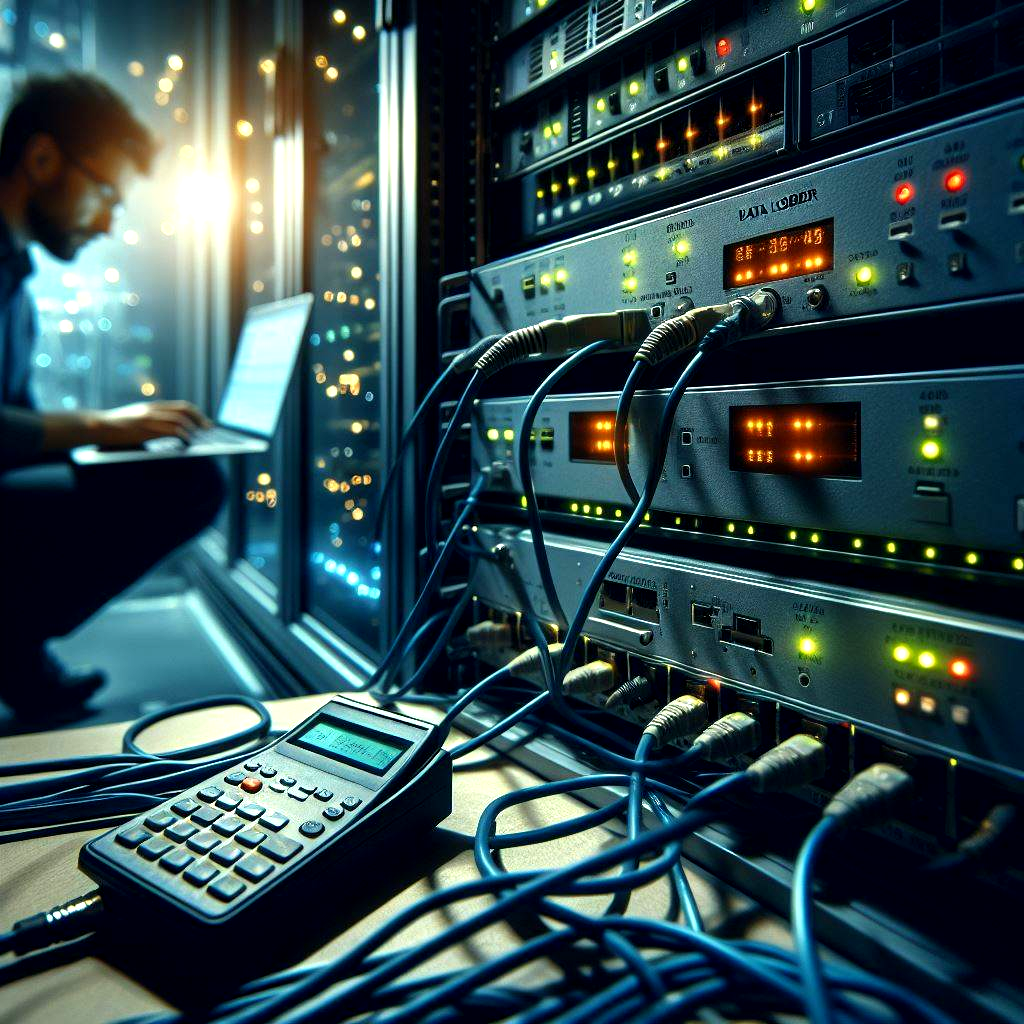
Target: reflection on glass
342,366
253,128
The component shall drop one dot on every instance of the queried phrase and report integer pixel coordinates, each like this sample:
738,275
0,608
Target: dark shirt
21,427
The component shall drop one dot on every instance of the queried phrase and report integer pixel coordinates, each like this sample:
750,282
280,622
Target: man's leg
73,538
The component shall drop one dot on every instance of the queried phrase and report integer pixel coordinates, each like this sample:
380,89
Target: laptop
250,408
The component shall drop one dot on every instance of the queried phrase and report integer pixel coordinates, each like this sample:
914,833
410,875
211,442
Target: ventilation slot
608,23
577,119
536,58
576,34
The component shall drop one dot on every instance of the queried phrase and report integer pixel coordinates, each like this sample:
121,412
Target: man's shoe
45,687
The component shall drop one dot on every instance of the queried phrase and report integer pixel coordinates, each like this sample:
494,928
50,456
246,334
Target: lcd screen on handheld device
362,748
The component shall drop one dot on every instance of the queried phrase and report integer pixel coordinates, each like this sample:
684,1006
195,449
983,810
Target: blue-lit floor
158,644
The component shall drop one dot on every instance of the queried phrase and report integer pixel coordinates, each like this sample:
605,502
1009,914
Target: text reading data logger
287,829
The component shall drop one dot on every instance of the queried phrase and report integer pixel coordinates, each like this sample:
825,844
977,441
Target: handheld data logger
285,829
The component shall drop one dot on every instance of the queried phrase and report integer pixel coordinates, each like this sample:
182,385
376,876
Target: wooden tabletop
38,873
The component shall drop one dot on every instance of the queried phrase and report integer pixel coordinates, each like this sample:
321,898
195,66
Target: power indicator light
930,553
723,47
807,645
493,434
792,534
901,697
926,659
932,422
1018,564
808,5
864,275
574,507
901,653
634,87
904,193
523,502
683,65
960,667
971,558
681,247
630,284
545,280
600,105
546,131
629,257
890,547
561,275
556,128
955,180
815,538
857,543
931,449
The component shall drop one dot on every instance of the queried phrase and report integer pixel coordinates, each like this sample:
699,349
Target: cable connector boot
60,924
871,796
635,693
735,734
465,361
528,664
489,636
795,761
678,719
594,677
680,333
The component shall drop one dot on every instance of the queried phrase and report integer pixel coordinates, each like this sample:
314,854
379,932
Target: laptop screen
264,360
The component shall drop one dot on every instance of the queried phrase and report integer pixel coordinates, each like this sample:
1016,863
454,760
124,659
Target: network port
704,615
746,632
643,604
902,230
614,597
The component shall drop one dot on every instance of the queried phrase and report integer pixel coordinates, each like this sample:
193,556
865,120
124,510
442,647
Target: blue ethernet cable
621,435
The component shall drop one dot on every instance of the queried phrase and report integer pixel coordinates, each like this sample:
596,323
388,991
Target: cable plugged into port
735,734
634,694
585,680
678,719
489,636
794,762
528,664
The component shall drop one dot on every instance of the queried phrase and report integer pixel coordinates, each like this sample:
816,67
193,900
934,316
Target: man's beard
53,236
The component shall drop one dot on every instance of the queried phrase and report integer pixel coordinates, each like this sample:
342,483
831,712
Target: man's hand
126,427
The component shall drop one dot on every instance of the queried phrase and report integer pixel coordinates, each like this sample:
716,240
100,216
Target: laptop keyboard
200,439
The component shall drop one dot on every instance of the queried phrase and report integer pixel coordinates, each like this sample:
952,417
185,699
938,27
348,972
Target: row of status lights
954,181
959,668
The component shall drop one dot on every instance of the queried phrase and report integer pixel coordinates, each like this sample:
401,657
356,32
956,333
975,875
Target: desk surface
37,873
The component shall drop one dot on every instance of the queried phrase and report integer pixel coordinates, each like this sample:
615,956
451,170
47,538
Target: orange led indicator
723,47
901,697
904,193
662,144
960,667
955,180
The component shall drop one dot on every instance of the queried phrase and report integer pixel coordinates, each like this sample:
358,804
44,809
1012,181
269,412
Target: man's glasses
108,192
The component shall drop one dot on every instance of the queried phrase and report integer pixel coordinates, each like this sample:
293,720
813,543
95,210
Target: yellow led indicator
586,510
598,510
629,257
901,652
545,280
556,128
750,531
931,422
591,173
647,517
930,553
808,5
574,507
815,538
636,154
926,659
901,697
953,762
493,434
522,501
600,105
857,543
864,275
891,547
612,164
547,131
555,188
792,534
540,193
618,513
731,527
1018,564
561,275
971,558
509,434
807,645
681,247
682,65
630,284
931,449
634,88
572,181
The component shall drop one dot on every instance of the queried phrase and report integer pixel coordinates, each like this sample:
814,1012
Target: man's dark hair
81,112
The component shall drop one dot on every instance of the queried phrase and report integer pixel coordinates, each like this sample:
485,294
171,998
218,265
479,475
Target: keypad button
296,795
252,766
203,843
227,855
205,816
333,813
253,868
287,780
155,847
303,788
267,772
275,821
311,829
250,837
159,820
323,794
250,784
250,811
132,837
199,874
181,830
234,778
228,826
228,803
175,862
280,849
185,806
210,793
226,889
350,803
277,787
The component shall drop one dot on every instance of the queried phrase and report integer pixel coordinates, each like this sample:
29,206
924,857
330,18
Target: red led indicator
723,47
960,667
904,193
955,180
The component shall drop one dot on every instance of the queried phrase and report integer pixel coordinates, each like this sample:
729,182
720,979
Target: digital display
592,437
371,751
781,254
796,440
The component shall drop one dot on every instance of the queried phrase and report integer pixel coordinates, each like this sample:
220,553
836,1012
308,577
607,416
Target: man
71,539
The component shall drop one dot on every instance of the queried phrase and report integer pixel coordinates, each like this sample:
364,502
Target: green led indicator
630,284
864,275
931,449
493,434
683,65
